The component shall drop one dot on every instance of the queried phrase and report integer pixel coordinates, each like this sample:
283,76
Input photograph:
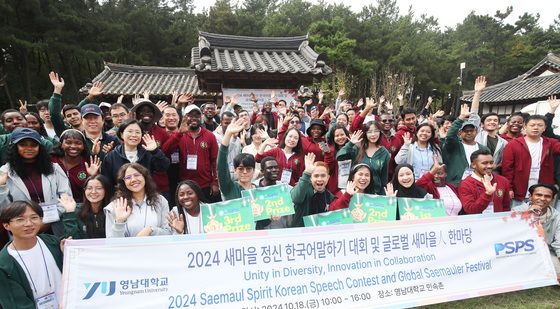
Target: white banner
347,266
263,95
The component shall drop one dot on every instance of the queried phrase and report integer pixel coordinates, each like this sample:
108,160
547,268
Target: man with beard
209,112
310,195
484,191
540,203
198,153
270,116
269,168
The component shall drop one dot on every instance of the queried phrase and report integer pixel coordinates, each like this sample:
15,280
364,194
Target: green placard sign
418,208
229,216
272,201
341,216
373,208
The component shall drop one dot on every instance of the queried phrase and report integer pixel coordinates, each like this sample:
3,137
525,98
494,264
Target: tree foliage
74,37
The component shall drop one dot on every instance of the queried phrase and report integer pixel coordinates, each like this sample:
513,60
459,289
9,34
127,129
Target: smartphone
324,147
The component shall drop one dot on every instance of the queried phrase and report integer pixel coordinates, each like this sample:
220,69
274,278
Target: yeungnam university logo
104,288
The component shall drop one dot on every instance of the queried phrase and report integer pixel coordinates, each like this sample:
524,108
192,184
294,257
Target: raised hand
262,134
321,96
185,99
184,128
57,82
430,100
486,181
360,102
120,98
67,202
122,210
176,222
465,112
93,167
436,167
350,187
389,190
95,90
273,97
389,105
341,93
308,102
553,103
400,97
174,97
146,94
480,83
135,99
23,106
3,178
356,137
236,126
309,162
150,143
370,103
439,114
407,137
161,105
108,147
382,99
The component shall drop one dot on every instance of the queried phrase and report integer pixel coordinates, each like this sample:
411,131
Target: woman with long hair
30,175
258,136
133,151
137,209
421,152
36,123
337,137
368,151
185,218
73,156
288,154
87,220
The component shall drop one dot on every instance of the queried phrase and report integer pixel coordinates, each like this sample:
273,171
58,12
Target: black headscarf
414,191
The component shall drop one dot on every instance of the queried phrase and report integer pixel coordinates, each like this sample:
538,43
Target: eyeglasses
294,122
244,169
21,220
135,175
387,120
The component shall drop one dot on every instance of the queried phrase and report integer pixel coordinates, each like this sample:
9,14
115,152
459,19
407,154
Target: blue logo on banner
107,288
514,247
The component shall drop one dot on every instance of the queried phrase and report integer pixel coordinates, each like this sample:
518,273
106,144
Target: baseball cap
191,108
19,134
91,109
469,122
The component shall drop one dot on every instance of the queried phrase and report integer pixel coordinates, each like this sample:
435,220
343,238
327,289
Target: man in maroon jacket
483,191
529,159
198,152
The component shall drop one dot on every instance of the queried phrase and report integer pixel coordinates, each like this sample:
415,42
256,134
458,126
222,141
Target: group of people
96,170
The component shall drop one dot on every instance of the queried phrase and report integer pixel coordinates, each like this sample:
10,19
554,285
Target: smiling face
409,121
244,173
342,120
424,134
33,122
351,115
72,147
94,191
13,120
491,123
209,110
316,131
28,150
291,139
93,124
118,115
271,170
483,165
170,118
362,179
145,114
541,197
468,134
319,178
406,177
132,135
340,137
26,226
188,199
372,134
134,180
515,124
387,122
73,117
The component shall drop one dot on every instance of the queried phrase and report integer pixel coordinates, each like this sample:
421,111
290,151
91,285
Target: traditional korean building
535,85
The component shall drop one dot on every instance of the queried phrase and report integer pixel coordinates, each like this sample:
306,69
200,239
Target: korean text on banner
345,266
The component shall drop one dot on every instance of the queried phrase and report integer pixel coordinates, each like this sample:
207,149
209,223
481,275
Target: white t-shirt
51,132
142,216
535,150
469,149
450,200
36,272
194,224
132,156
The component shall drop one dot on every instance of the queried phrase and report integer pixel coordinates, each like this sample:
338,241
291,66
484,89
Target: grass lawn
547,297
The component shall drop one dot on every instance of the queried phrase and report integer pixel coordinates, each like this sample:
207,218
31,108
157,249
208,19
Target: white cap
191,108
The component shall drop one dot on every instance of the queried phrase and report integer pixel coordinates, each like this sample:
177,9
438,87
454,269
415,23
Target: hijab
414,191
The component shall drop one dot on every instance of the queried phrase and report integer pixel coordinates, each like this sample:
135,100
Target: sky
451,12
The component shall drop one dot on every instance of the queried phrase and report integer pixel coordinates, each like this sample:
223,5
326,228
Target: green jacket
378,163
453,154
230,189
15,291
301,197
55,109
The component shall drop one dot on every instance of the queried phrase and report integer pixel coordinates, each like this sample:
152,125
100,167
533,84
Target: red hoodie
474,199
426,182
516,164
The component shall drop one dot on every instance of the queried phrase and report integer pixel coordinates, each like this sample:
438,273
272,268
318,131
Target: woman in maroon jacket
288,154
434,182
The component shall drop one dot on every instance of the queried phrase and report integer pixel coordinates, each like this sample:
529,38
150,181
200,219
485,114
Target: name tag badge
467,173
191,162
48,301
50,212
286,176
343,173
489,209
175,157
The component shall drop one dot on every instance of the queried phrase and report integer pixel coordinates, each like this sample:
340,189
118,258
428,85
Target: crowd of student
96,170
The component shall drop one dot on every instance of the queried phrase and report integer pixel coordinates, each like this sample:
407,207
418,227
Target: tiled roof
526,87
230,53
134,79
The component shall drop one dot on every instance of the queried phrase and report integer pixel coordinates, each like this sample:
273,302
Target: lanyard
34,188
27,270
